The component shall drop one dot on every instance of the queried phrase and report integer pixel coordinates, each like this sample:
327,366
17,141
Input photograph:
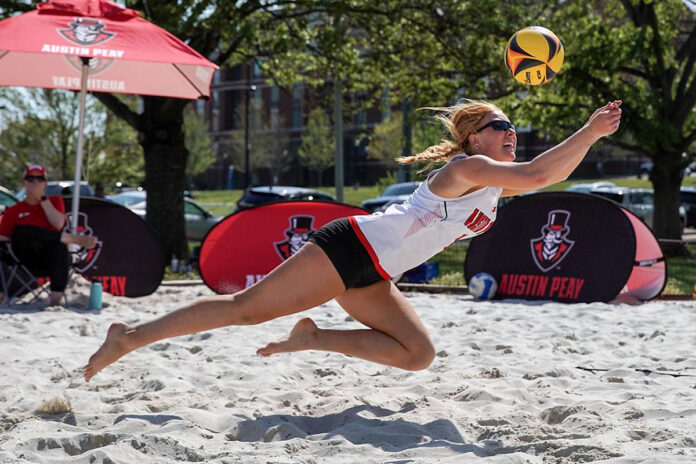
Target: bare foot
300,338
112,349
87,241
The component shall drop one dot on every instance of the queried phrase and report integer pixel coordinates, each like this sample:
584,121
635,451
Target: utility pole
247,144
338,117
408,140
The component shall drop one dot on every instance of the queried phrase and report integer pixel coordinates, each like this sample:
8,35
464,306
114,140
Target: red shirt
24,214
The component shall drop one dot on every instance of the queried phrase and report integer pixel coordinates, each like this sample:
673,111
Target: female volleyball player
352,259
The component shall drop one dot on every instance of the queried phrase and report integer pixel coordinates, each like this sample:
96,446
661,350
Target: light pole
247,146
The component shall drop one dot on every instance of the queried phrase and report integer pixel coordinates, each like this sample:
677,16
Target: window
6,200
194,210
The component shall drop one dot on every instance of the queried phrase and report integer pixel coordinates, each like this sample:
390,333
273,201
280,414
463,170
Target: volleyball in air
534,55
483,286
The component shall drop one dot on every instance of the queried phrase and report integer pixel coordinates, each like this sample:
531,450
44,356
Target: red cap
35,170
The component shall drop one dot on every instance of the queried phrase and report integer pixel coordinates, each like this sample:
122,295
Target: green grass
217,196
218,202
351,195
681,274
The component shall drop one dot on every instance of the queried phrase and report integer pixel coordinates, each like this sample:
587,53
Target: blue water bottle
95,294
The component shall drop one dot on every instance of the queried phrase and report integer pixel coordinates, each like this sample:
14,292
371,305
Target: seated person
34,227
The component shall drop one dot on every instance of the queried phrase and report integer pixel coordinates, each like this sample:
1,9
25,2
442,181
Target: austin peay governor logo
86,31
553,246
82,258
297,235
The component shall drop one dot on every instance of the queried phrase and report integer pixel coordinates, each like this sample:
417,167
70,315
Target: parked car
254,196
121,187
640,202
687,199
588,187
394,194
62,187
7,199
690,170
198,220
646,168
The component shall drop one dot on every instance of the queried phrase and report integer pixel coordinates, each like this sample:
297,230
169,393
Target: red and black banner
568,247
245,246
128,259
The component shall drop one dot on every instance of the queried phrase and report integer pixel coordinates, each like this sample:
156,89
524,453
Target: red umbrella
96,45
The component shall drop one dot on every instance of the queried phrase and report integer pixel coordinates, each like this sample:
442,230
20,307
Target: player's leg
305,280
396,337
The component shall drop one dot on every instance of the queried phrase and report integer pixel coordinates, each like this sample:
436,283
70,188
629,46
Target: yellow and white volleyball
534,55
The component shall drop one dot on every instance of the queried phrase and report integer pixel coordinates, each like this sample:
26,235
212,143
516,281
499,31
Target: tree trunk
162,138
666,178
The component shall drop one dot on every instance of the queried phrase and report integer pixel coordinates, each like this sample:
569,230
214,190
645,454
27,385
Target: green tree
316,151
228,33
41,127
642,52
387,141
279,157
222,30
268,144
198,142
121,156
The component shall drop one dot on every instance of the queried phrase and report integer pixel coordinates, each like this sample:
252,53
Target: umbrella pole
80,143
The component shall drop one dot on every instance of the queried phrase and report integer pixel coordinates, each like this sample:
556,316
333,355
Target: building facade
280,115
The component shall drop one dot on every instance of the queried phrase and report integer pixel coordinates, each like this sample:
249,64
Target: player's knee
421,358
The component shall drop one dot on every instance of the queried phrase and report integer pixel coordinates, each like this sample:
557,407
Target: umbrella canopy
96,45
127,54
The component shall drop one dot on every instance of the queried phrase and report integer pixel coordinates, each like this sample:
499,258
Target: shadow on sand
361,425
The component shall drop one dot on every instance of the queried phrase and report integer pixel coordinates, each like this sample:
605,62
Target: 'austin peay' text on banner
558,246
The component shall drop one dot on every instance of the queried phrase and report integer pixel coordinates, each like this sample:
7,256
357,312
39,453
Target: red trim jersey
406,235
24,214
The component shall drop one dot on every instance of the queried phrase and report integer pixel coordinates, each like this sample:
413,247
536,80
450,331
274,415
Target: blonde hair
460,120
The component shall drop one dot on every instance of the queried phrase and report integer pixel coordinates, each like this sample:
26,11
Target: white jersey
406,235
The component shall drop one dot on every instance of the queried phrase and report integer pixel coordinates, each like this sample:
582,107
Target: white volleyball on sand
483,286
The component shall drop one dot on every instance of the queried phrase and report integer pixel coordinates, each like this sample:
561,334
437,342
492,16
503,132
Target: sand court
504,388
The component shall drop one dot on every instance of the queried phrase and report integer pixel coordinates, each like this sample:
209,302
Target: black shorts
347,253
42,252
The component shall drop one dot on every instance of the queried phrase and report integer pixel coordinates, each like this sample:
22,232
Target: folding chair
16,281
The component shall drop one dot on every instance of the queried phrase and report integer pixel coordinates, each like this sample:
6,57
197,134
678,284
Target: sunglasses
498,125
33,178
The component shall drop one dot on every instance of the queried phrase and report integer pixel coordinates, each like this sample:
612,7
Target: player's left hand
605,120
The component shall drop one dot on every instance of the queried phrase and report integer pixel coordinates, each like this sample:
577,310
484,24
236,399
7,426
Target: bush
386,181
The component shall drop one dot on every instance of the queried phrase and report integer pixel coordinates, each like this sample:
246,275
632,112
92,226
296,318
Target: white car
639,201
7,199
62,187
198,220
588,187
